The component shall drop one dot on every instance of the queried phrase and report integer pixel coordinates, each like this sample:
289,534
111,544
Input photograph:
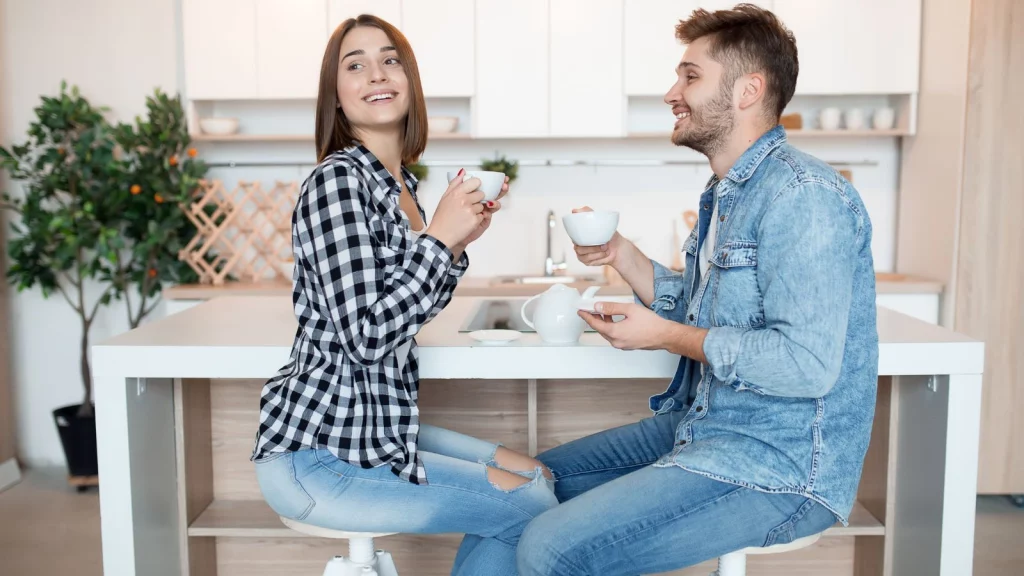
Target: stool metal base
380,565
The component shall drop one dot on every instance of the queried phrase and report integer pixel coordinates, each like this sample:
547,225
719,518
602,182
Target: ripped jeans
314,487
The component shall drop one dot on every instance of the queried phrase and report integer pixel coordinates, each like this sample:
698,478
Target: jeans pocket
282,490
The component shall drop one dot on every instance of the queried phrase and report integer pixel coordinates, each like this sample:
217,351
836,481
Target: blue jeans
314,487
621,515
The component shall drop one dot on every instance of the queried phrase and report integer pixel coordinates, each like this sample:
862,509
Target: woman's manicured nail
490,204
462,171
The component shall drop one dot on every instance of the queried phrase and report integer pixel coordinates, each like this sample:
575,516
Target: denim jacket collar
745,166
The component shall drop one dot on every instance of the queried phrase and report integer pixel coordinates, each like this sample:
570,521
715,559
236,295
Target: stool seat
735,563
321,532
780,548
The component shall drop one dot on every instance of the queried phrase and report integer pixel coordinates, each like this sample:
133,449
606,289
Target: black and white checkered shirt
364,284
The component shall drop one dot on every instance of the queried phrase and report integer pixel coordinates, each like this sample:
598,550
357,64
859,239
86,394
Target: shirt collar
364,156
747,164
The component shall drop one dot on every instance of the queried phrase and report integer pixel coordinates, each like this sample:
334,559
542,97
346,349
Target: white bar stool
735,563
362,559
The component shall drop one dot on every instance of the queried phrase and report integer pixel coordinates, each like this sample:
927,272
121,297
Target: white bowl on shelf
591,228
442,124
219,126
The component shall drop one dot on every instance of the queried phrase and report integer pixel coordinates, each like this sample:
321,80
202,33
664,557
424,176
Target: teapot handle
589,292
522,311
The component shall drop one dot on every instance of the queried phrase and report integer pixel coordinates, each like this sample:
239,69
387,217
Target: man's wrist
684,340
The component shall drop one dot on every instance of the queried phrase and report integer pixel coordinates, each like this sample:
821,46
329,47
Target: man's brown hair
333,131
744,40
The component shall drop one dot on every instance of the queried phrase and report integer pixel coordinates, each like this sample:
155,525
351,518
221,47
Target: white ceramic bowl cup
490,182
591,228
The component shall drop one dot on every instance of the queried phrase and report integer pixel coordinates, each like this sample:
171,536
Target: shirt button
706,207
700,408
725,255
691,318
681,443
721,218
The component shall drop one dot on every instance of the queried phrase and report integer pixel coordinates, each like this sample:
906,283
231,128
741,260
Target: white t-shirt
707,249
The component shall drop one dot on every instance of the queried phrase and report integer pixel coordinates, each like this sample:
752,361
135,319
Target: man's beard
710,125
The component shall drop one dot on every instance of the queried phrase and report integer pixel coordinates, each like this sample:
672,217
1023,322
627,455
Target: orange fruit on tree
135,189
158,198
192,152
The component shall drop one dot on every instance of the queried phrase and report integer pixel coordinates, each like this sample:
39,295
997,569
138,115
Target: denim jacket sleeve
806,257
670,299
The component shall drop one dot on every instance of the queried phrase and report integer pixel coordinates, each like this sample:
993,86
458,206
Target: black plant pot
78,437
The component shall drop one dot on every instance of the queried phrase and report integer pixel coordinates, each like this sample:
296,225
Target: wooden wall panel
7,442
990,276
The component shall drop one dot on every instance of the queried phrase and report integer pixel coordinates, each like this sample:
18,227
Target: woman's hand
613,253
490,208
459,212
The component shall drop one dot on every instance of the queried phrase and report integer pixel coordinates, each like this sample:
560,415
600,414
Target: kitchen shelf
255,519
297,137
805,134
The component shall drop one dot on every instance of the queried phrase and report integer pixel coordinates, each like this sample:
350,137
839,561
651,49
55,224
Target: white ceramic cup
855,119
884,119
829,119
490,182
591,228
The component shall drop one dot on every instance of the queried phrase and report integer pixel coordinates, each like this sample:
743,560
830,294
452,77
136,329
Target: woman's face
373,90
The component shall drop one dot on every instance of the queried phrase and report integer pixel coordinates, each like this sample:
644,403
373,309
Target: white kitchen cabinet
652,51
650,46
291,37
587,94
340,10
712,5
219,38
443,41
512,65
863,47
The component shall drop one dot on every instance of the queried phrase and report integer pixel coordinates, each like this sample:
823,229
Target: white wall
649,198
116,51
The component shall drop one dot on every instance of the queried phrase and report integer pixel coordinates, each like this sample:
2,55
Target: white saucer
495,336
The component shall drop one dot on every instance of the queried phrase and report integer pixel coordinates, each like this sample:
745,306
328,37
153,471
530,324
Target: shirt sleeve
371,313
447,289
808,243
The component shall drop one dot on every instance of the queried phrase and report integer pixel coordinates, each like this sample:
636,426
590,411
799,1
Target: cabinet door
443,41
340,10
864,47
587,94
290,47
511,69
219,38
712,5
651,49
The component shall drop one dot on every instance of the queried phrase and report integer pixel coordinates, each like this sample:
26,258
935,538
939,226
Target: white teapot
555,316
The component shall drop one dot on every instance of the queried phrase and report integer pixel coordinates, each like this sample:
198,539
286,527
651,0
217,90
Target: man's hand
642,329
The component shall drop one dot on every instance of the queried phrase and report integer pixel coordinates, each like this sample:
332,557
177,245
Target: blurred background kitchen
916,101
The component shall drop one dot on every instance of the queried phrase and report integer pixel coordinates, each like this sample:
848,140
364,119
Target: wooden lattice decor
242,235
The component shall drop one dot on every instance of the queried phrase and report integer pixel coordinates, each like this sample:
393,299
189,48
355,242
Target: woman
340,444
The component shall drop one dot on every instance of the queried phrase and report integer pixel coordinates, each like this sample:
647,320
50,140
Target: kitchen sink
548,280
499,314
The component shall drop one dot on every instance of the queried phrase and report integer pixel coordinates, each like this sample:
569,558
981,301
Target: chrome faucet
551,268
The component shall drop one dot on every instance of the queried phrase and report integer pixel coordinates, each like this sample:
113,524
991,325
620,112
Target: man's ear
751,88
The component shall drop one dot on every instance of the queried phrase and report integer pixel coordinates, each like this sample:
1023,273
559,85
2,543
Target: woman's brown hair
333,131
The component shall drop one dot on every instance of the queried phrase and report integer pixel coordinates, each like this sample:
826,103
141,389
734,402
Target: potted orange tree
98,210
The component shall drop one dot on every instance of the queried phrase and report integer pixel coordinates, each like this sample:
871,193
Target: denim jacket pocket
737,298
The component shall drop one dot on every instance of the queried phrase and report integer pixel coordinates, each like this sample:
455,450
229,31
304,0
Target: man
761,435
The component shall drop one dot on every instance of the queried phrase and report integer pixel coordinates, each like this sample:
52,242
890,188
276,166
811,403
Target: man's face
703,107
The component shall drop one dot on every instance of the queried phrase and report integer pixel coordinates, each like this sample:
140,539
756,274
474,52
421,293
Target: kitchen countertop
887,283
251,337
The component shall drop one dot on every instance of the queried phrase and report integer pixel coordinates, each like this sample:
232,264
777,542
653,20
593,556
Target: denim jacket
786,400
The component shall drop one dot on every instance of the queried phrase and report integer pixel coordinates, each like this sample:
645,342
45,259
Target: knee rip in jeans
510,481
539,470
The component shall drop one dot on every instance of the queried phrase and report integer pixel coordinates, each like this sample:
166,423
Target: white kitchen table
924,504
